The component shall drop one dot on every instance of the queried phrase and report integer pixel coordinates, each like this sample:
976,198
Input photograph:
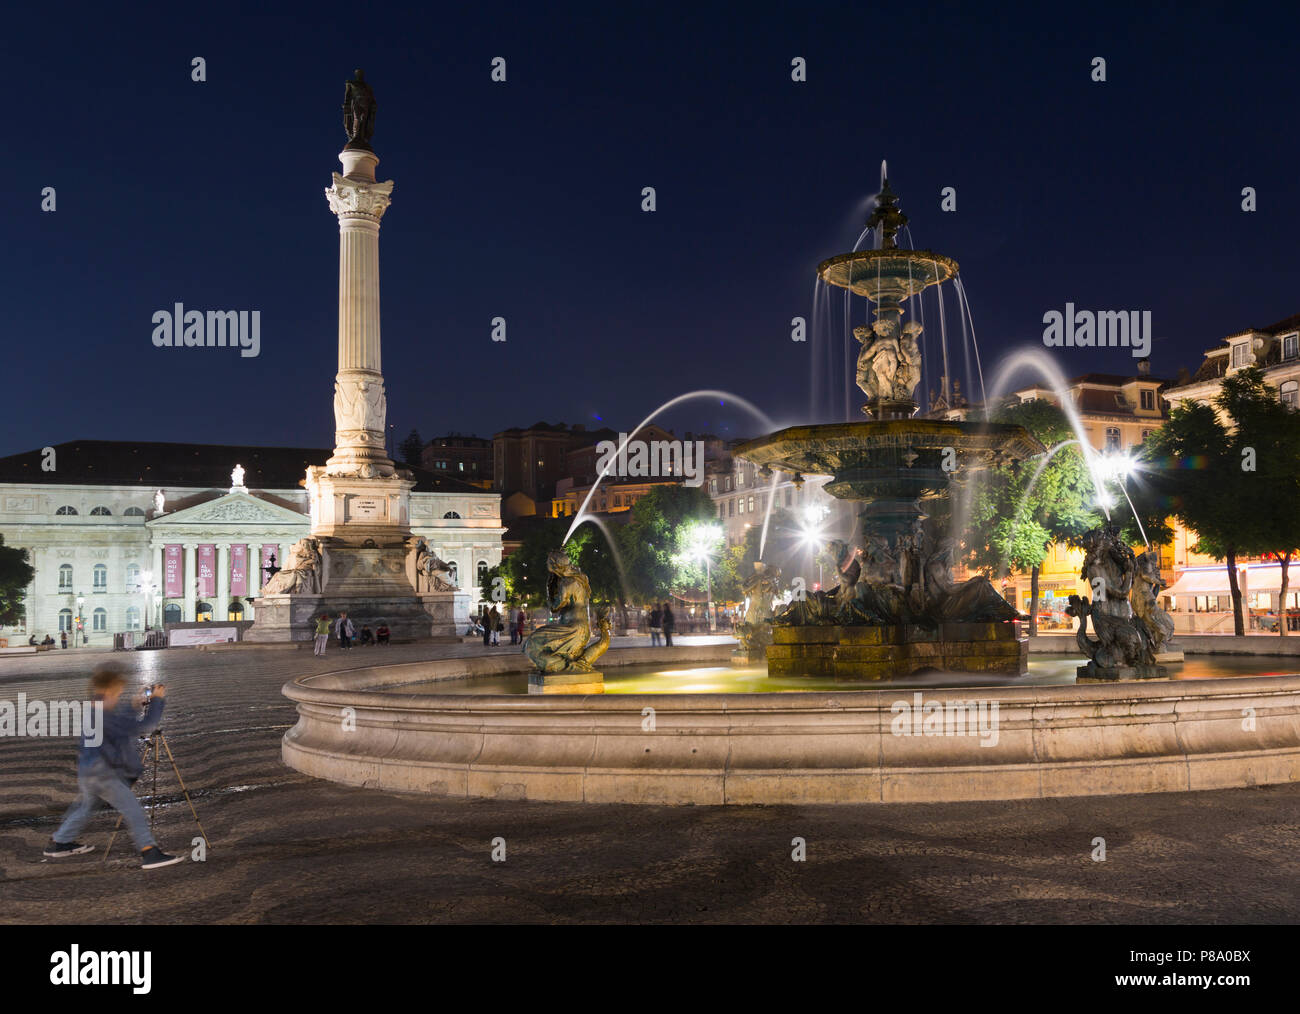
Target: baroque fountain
548,725
897,608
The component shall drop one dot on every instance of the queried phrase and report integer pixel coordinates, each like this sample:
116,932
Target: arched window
65,577
203,611
451,516
1290,394
66,510
133,577
132,618
236,610
100,512
171,613
101,578
65,619
133,512
482,571
100,620
1114,441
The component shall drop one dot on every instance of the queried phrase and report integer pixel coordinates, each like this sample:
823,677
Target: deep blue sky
522,199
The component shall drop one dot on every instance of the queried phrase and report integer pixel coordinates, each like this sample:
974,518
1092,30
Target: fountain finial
887,216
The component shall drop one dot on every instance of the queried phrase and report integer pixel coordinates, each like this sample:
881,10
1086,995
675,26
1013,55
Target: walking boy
345,630
108,765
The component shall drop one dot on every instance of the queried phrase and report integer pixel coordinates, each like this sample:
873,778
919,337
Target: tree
1231,477
411,449
1025,507
655,539
524,570
15,575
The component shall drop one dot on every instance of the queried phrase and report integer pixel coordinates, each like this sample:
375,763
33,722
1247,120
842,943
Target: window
731,508
101,578
740,477
171,613
132,618
720,510
1145,434
1113,439
1241,354
451,516
100,512
713,487
741,500
235,611
751,505
203,612
67,511
99,621
1291,346
455,574
1148,399
726,484
65,619
482,572
133,577
133,512
1290,394
65,577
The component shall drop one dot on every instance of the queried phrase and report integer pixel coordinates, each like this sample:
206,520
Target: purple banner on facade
238,570
173,569
207,570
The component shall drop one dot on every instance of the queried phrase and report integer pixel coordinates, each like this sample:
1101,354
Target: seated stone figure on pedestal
561,648
303,574
431,573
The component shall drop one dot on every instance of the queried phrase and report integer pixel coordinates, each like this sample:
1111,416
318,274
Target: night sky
522,200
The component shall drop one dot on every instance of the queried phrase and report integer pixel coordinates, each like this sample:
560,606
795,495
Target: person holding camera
109,764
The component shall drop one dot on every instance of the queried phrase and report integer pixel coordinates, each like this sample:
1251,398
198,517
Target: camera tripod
154,740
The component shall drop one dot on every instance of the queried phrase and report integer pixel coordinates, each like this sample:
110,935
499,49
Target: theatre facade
127,536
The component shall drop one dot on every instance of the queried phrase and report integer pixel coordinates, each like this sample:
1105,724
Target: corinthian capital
348,197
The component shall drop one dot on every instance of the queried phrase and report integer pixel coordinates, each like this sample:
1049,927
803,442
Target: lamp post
703,542
81,629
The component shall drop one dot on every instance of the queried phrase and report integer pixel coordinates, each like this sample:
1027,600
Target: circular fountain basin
890,273
385,727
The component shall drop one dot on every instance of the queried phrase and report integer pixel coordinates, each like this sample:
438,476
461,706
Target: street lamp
703,541
81,628
813,533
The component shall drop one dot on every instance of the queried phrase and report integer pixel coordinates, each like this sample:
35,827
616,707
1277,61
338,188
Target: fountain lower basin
827,746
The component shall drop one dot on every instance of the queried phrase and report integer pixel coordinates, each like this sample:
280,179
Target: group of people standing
662,625
495,620
346,632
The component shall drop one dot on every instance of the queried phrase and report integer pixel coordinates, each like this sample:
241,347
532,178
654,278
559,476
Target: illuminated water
726,679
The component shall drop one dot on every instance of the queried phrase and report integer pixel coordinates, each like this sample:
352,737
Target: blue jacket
121,728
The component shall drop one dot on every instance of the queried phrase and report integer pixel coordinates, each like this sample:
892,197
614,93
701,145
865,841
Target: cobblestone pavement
290,849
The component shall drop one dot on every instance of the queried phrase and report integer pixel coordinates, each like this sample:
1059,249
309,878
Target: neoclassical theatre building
112,552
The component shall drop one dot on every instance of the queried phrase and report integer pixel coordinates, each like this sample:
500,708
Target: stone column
188,577
360,406
221,607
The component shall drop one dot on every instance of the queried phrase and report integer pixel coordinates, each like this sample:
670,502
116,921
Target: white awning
1262,577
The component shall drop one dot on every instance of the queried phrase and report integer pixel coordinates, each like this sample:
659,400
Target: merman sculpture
1120,650
561,655
1153,622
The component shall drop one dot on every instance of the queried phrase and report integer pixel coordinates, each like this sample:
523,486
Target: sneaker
60,849
154,857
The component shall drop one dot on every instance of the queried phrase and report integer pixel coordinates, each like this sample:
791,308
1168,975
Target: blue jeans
102,782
